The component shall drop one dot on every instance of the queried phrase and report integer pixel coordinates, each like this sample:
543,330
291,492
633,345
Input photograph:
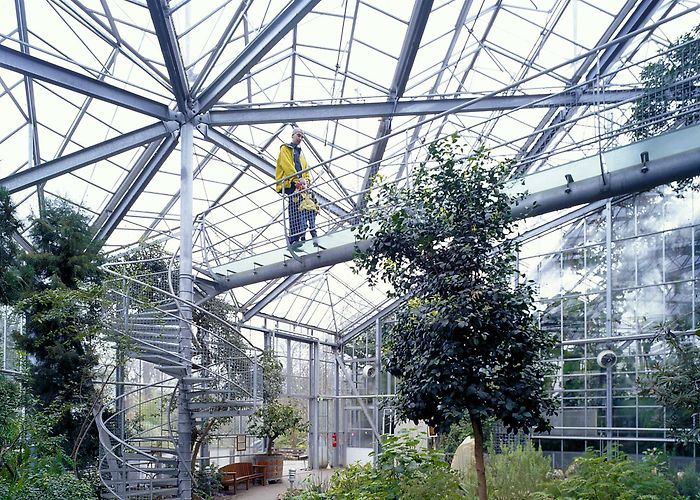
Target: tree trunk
479,456
200,439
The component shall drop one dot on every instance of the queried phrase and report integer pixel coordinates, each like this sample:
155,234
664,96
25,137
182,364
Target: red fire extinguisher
334,440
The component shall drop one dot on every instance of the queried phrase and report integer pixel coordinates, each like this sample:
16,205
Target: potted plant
274,418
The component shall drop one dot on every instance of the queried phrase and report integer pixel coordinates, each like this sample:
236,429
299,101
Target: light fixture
569,180
644,159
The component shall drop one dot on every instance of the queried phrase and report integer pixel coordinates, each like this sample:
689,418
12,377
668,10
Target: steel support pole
376,443
608,319
339,457
314,455
184,424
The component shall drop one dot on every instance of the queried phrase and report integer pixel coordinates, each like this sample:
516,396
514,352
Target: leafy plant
673,382
13,275
465,343
275,419
404,471
33,463
670,89
516,473
459,431
613,477
688,482
207,481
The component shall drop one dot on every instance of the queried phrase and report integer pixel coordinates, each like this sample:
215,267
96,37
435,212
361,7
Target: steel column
184,422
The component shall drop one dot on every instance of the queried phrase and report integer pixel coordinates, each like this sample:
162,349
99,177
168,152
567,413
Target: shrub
47,486
688,482
514,474
403,471
613,477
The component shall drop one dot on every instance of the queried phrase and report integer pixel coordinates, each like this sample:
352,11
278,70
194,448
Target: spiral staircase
138,426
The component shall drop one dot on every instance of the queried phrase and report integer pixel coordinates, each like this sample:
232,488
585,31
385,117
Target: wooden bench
232,474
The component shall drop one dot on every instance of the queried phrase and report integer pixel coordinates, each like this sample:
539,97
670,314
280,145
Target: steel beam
409,49
171,54
86,156
629,180
303,264
620,182
554,121
256,50
39,69
276,292
110,219
252,159
245,115
124,186
233,24
368,321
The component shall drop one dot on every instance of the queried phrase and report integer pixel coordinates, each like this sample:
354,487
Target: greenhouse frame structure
163,122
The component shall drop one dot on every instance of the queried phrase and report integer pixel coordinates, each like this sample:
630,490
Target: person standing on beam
291,161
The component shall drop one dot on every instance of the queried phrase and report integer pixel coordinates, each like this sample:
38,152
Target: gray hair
297,129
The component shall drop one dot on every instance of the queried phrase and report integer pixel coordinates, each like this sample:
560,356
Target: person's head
297,136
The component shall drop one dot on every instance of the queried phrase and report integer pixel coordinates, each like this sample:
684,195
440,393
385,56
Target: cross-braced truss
93,95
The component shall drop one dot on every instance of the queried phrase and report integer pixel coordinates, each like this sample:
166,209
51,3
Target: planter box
273,466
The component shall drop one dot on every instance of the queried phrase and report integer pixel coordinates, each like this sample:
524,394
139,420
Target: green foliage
59,325
272,375
672,381
46,486
62,308
13,278
516,473
466,342
275,419
615,477
207,482
66,254
33,463
688,482
403,471
669,87
458,432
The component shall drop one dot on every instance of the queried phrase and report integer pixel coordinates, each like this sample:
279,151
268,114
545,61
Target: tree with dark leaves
466,343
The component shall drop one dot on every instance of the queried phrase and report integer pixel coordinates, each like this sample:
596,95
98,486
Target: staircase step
173,370
155,450
135,482
161,493
153,327
199,405
151,438
197,380
138,457
148,343
220,414
161,358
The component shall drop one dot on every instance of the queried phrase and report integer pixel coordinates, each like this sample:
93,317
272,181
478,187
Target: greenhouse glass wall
161,123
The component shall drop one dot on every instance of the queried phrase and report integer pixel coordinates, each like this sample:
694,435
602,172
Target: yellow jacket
285,167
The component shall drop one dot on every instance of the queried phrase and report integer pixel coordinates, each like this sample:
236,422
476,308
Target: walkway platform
627,169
